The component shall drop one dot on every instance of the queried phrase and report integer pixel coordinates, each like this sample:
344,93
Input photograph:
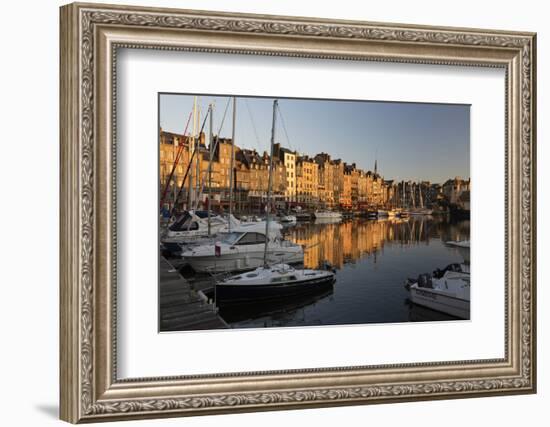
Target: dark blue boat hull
249,294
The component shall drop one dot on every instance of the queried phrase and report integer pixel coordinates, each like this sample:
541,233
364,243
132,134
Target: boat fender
217,249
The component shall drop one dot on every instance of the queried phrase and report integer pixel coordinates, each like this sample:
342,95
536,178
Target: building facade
307,181
318,182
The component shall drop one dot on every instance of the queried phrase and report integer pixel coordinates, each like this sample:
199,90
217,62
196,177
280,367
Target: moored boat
271,280
194,224
447,290
243,249
192,228
327,215
287,218
270,283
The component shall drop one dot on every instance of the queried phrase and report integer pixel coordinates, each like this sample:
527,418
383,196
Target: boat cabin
241,239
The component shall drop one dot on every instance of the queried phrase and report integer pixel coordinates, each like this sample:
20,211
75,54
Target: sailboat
194,226
421,210
271,281
244,246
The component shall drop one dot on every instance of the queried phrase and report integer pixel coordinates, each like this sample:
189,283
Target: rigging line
176,161
284,128
253,124
205,174
188,167
223,118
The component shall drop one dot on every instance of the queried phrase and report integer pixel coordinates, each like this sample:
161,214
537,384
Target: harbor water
372,259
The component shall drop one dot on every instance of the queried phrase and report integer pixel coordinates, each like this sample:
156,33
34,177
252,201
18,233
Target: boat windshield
231,238
181,223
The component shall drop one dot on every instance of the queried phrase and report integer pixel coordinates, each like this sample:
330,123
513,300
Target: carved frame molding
90,37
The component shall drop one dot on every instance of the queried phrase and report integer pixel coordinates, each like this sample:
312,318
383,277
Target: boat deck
181,306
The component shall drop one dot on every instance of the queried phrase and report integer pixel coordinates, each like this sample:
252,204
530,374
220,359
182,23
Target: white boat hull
328,215
244,261
436,300
328,220
288,219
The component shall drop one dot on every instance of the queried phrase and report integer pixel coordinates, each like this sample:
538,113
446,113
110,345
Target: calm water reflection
373,259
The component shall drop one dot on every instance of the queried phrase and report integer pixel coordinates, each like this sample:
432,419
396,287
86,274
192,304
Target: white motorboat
287,218
191,229
251,218
194,224
243,249
446,290
271,283
327,215
463,248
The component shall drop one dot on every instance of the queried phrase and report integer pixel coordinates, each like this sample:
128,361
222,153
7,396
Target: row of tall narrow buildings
298,180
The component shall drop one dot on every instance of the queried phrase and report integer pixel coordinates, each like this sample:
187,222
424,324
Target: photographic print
307,225
279,212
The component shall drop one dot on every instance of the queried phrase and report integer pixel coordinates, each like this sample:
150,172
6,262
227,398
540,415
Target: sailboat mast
231,162
211,139
268,206
194,139
197,156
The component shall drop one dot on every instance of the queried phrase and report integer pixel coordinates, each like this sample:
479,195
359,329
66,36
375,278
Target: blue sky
412,141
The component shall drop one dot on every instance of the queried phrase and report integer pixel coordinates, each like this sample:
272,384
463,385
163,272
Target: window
231,238
251,239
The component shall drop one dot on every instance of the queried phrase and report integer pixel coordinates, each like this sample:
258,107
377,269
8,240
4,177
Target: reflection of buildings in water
348,241
455,231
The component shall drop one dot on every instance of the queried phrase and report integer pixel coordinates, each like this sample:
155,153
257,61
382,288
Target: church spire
376,166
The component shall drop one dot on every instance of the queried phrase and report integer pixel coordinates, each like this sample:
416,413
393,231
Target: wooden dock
182,308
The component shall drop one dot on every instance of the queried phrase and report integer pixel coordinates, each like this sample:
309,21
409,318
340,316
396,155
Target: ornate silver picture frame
91,390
